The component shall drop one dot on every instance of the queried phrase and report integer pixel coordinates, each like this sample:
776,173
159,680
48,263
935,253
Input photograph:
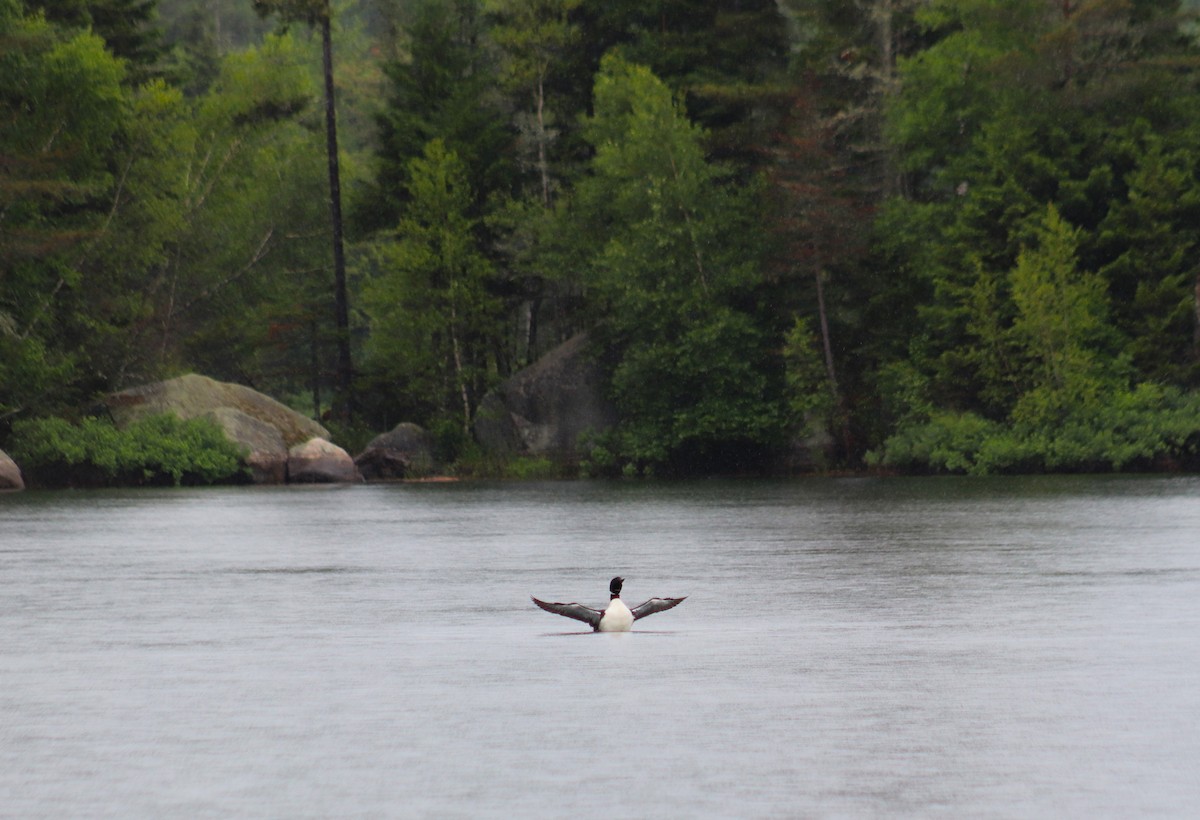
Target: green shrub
451,442
1129,429
533,468
600,462
600,451
947,442
161,449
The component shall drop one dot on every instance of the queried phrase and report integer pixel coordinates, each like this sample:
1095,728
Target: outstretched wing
577,611
655,605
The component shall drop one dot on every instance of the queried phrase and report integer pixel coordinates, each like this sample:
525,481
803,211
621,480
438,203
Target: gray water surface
850,648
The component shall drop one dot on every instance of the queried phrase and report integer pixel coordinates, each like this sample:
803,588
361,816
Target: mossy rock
192,396
264,450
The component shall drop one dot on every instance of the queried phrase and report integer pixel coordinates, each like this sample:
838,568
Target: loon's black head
614,586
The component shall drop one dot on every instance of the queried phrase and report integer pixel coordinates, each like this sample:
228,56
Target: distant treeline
941,235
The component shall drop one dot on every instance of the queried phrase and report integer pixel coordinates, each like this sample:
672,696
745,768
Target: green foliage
156,450
432,317
1147,242
532,469
474,464
999,200
675,261
727,59
443,91
245,293
63,106
28,370
1016,106
310,12
951,89
600,461
809,394
1071,406
199,34
128,28
1053,204
944,443
1148,427
1061,324
134,223
695,390
535,37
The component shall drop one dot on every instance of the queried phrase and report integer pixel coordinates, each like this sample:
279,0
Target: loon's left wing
655,605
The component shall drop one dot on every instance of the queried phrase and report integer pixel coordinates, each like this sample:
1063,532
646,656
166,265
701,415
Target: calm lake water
850,648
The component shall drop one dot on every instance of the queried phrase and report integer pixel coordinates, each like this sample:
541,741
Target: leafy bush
533,468
160,449
1130,429
599,463
947,442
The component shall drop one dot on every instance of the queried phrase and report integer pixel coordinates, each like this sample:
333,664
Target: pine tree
675,258
725,58
433,320
440,92
129,29
319,14
535,37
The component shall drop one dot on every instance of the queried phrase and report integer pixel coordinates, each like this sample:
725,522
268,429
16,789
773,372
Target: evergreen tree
725,58
319,14
535,37
442,92
1055,107
1074,407
62,103
1060,328
1033,135
241,293
129,29
433,320
675,260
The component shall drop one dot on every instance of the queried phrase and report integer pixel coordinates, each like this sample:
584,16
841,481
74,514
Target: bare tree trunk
345,370
826,343
543,164
458,373
887,58
842,420
1196,323
887,87
315,368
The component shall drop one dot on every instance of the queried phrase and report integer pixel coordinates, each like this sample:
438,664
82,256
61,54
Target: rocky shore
542,410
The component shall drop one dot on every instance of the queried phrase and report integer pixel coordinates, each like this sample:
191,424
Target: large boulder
266,452
545,408
10,474
405,451
192,395
318,461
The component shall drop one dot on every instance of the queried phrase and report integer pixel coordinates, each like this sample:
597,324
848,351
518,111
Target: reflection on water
853,647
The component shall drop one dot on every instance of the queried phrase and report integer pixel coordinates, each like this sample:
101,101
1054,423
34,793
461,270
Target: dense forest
940,235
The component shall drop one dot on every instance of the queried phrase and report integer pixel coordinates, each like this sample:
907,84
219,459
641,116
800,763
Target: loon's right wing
579,612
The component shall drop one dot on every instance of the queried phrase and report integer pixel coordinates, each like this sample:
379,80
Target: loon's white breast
617,618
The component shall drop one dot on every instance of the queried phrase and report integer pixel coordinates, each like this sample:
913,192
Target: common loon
617,617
